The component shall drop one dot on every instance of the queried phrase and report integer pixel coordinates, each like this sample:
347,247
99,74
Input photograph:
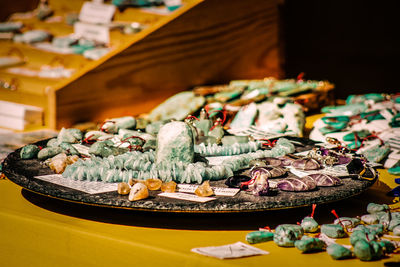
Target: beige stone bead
138,191
123,188
168,187
204,190
153,184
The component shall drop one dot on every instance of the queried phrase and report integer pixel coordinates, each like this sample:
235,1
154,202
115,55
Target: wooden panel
214,42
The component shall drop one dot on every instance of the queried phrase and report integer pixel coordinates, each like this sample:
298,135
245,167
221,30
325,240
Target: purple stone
306,164
298,184
286,161
325,180
343,160
269,171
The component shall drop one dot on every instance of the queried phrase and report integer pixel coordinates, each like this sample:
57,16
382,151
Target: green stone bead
333,230
394,170
286,234
52,142
49,152
29,152
310,245
259,237
360,134
375,208
309,225
69,136
358,235
354,145
377,153
368,251
69,149
372,116
338,252
175,143
332,120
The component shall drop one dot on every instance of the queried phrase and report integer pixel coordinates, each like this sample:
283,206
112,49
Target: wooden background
214,42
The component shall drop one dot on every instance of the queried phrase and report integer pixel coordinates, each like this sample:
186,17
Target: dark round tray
22,172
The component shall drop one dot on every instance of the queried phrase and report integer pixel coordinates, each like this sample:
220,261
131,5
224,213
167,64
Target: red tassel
313,210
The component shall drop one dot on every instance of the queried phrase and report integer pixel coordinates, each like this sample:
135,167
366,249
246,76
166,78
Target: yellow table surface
40,231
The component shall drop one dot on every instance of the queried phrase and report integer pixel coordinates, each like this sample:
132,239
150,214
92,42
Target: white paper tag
218,191
188,197
96,13
84,150
84,186
236,250
92,32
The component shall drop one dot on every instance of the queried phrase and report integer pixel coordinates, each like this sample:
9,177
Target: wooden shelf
203,42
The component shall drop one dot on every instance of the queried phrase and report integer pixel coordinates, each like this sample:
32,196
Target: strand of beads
224,150
142,166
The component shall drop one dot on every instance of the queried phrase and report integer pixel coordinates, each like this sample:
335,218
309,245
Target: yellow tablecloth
40,231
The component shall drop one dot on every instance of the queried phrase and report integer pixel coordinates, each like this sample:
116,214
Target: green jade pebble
368,251
175,143
394,170
333,230
370,218
339,252
49,152
29,152
310,245
105,149
113,125
351,99
227,95
69,149
332,128
333,120
286,234
70,135
365,234
309,225
375,208
393,223
245,117
177,107
352,136
154,127
377,153
217,132
259,237
348,110
372,115
203,124
348,221
377,229
355,145
52,142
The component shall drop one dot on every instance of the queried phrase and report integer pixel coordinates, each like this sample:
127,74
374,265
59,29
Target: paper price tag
236,250
96,13
84,186
92,32
218,191
188,197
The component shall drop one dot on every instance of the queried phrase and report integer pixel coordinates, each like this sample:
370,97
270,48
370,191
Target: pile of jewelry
246,107
370,237
368,124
